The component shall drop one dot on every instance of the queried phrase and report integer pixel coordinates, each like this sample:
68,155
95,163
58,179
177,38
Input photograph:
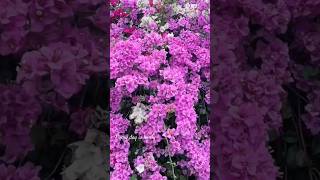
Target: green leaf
290,137
133,177
182,177
286,111
297,158
291,157
203,111
38,135
301,158
315,147
310,72
59,137
273,135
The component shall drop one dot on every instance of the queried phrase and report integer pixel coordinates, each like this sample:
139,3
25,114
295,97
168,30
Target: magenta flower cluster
160,60
257,52
58,46
28,171
19,111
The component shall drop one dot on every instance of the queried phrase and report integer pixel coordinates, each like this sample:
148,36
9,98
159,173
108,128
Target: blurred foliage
62,154
294,149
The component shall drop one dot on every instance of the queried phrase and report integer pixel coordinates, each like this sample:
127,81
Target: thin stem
205,107
297,130
83,95
299,95
96,95
171,162
300,127
311,175
286,166
286,173
57,165
316,172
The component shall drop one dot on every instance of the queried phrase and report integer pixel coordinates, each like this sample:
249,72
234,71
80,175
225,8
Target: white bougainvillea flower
191,10
188,10
170,35
146,3
139,113
177,9
164,27
140,168
146,21
142,3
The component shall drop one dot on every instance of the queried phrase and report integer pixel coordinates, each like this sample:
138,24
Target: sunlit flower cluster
161,71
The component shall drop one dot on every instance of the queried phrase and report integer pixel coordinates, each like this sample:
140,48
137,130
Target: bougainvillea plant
160,73
52,82
55,108
266,85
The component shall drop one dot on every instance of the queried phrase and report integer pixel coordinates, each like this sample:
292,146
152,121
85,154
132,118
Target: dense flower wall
49,52
261,49
160,71
53,81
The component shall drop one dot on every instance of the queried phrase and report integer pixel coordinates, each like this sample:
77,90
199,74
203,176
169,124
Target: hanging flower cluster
160,71
51,49
260,47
